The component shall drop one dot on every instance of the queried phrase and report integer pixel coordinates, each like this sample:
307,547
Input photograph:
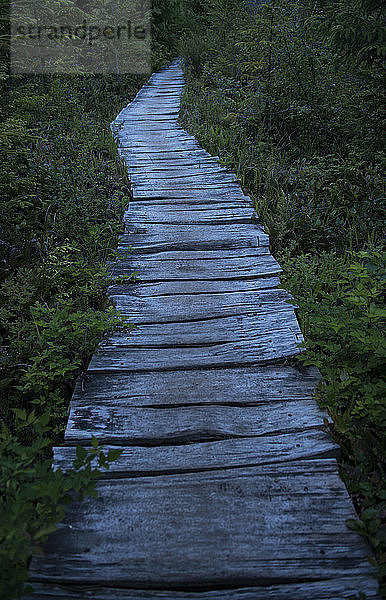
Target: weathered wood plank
229,192
198,214
204,456
120,424
161,131
193,255
224,254
199,184
193,196
192,201
273,346
199,179
339,588
172,165
152,116
173,155
232,268
155,154
265,384
152,90
140,244
147,96
203,201
158,131
267,308
151,121
181,288
155,87
150,105
168,139
159,168
159,136
173,159
179,171
147,109
172,139
260,332
160,102
162,161
166,146
160,95
159,80
207,237
244,526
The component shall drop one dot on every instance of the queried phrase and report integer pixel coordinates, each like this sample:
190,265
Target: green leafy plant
63,193
341,310
34,497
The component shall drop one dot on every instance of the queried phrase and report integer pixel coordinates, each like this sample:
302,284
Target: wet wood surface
227,485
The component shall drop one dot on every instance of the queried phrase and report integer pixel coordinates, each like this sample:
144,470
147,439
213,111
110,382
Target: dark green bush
33,497
63,194
302,130
341,310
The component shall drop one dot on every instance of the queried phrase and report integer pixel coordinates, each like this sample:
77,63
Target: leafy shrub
63,194
34,498
301,129
341,310
342,314
55,315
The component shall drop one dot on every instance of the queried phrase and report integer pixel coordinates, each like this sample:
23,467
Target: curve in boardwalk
227,486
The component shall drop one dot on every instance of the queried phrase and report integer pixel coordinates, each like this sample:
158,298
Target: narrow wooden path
228,486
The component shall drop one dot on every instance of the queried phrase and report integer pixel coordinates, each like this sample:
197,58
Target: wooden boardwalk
227,487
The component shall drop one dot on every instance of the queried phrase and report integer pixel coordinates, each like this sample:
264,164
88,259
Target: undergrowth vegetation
63,193
289,95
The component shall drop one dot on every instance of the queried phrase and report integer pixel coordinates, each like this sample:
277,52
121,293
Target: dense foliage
62,194
289,95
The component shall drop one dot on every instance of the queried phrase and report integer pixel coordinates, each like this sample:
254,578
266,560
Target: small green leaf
81,453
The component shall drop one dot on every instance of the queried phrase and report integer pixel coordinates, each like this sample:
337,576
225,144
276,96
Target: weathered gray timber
196,287
264,305
184,237
332,589
158,268
174,425
227,486
186,213
205,456
258,385
229,527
